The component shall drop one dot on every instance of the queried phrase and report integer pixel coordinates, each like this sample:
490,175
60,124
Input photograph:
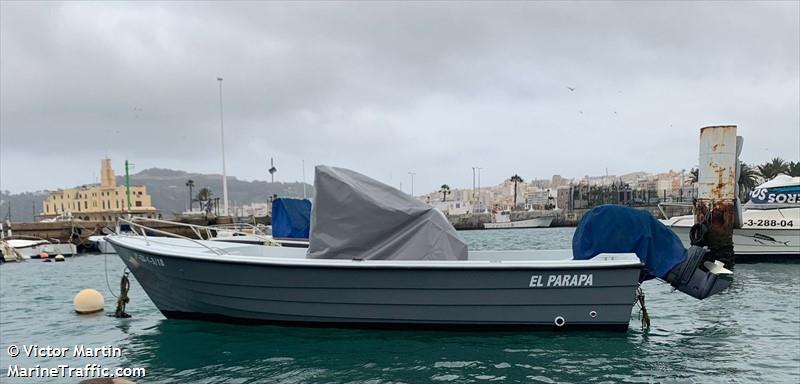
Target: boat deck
222,252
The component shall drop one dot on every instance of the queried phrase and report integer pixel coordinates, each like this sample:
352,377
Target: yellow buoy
88,301
59,257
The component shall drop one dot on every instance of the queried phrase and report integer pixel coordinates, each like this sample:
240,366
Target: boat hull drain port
559,321
593,314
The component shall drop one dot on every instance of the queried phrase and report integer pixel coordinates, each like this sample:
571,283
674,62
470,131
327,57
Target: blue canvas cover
618,229
291,218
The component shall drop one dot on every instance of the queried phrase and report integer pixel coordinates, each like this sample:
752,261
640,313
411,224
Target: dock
78,231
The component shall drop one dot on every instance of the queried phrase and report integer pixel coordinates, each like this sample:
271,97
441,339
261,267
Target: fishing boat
379,258
770,222
502,220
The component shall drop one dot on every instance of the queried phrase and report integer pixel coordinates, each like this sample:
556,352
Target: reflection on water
179,348
750,333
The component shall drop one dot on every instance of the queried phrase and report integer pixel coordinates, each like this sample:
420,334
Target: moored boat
770,224
502,220
379,258
33,248
254,284
101,245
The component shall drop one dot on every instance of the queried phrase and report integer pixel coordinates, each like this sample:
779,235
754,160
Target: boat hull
52,249
765,233
539,222
757,243
65,249
387,296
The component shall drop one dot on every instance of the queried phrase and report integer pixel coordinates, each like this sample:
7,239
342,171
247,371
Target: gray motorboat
379,258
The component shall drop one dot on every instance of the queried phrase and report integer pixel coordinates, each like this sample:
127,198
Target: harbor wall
78,232
566,218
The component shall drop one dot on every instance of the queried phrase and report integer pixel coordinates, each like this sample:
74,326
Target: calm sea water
751,333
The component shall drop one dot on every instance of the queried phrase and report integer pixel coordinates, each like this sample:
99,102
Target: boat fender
59,257
88,301
44,255
559,321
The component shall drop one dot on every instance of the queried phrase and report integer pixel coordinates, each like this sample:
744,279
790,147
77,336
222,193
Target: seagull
571,89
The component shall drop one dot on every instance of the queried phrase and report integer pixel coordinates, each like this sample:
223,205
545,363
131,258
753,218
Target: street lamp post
480,203
412,182
222,137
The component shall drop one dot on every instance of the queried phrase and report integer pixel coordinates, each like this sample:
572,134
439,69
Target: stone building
105,202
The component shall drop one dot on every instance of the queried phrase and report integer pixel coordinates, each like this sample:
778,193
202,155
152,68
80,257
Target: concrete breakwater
78,231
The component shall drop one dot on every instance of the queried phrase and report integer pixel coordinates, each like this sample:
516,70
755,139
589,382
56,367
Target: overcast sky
388,88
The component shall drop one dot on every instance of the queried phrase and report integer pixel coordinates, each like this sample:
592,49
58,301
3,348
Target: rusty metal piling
714,209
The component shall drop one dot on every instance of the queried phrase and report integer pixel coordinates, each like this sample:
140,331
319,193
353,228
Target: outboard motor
698,278
618,229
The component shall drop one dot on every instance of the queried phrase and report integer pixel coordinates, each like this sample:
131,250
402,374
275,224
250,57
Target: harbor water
748,334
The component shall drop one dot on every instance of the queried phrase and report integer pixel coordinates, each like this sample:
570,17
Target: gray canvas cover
356,217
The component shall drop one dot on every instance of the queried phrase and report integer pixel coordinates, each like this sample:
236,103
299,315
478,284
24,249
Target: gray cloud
386,88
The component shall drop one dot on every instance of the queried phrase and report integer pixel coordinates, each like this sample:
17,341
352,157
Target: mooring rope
642,308
108,284
122,300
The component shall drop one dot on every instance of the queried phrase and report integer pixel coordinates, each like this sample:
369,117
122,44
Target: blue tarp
618,229
291,218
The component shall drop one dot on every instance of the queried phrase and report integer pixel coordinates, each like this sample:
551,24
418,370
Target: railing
145,228
208,232
239,228
662,205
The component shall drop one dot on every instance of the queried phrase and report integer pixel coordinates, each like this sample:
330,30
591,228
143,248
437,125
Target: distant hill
21,205
168,190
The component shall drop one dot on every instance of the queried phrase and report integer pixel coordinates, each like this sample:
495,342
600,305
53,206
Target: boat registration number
769,223
571,280
158,262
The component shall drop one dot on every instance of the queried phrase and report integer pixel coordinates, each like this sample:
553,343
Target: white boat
502,219
101,244
770,221
33,248
7,253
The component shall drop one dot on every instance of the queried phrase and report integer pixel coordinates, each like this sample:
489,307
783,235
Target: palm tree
794,168
694,175
516,179
190,184
445,190
203,196
773,168
748,179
